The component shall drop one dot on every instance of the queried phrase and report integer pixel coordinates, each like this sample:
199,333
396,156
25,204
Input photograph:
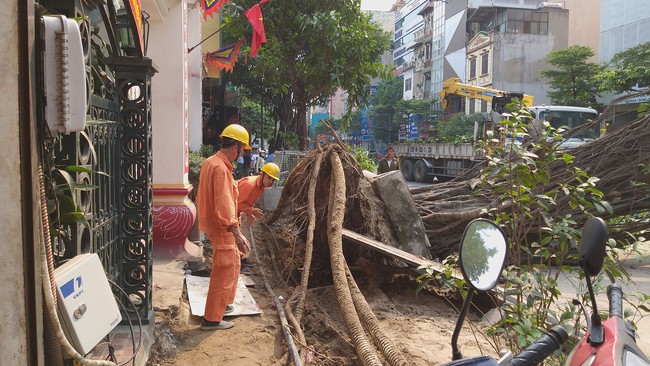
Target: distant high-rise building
408,21
623,24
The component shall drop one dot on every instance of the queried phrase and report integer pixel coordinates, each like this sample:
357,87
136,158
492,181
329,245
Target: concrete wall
195,63
584,24
168,49
522,57
20,324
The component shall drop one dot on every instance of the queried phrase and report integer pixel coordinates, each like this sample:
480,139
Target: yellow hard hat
272,169
236,132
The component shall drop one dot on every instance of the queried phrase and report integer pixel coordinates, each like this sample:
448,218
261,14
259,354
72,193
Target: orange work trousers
226,264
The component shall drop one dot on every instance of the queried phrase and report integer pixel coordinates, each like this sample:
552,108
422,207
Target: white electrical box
87,309
64,75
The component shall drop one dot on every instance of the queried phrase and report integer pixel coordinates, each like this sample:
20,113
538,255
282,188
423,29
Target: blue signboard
366,126
414,121
373,91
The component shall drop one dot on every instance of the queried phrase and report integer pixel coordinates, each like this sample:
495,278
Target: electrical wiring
136,349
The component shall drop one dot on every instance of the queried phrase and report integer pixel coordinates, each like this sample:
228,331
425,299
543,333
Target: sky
376,4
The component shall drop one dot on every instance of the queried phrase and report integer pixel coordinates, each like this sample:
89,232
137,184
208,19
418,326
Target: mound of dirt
420,325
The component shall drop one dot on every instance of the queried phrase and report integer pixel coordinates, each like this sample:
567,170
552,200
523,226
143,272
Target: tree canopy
382,110
311,50
628,69
573,79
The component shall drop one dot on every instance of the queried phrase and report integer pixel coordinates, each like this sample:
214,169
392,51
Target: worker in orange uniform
250,189
218,219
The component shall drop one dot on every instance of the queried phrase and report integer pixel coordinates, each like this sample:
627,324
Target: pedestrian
240,166
270,157
254,156
260,162
250,189
247,163
388,162
218,219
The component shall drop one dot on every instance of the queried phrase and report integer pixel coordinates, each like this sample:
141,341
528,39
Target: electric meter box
87,308
64,75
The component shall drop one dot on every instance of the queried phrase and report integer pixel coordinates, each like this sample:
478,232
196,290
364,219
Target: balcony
408,64
423,35
418,64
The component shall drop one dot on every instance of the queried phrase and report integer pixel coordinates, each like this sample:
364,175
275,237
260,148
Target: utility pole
390,125
261,123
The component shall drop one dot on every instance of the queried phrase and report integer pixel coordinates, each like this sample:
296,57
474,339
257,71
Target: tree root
364,348
295,323
371,325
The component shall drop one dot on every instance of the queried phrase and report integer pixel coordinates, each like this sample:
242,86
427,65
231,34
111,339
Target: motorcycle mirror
592,246
482,254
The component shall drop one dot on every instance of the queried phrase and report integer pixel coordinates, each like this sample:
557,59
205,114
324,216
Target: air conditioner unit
547,4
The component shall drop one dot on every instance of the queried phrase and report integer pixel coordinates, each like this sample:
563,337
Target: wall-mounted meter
87,309
65,75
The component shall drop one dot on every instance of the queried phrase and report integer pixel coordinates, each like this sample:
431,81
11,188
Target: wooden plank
413,260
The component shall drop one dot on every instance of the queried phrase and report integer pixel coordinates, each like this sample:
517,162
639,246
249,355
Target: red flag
212,6
254,16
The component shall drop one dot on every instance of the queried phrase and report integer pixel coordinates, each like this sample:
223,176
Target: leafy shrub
206,151
459,125
196,161
361,156
518,173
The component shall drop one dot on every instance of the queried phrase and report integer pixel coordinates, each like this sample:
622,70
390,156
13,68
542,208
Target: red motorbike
611,342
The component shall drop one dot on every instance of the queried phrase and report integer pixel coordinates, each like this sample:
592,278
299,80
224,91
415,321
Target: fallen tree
619,160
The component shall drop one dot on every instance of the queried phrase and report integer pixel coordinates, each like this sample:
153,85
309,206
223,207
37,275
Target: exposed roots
323,194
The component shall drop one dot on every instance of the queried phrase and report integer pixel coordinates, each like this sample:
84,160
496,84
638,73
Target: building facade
623,25
408,23
508,46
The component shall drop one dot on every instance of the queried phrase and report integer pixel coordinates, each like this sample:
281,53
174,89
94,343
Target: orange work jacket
250,189
217,196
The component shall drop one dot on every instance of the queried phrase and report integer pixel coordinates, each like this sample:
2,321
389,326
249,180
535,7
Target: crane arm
453,86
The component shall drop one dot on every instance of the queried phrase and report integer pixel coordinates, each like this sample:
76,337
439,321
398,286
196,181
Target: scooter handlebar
615,294
541,348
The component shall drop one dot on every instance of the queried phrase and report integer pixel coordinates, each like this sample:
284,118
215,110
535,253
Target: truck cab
568,117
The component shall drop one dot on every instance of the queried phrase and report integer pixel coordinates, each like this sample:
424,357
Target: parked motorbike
611,342
482,255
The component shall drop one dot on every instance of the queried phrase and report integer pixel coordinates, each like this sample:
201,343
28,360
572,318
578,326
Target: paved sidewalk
167,289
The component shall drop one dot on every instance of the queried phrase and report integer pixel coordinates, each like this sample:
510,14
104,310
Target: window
483,106
472,68
526,21
484,63
472,106
408,84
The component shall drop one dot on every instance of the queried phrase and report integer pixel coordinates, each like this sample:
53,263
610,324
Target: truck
422,162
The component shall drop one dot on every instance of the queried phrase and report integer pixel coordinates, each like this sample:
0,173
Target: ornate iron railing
116,146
